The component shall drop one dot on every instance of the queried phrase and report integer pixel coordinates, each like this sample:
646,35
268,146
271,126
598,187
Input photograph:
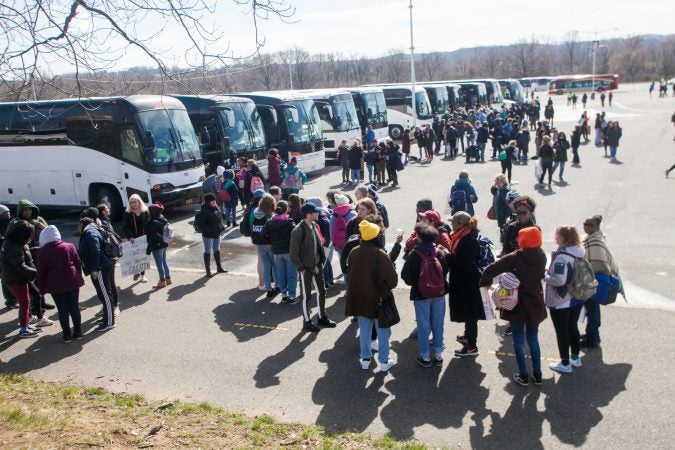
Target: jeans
383,335
612,152
566,330
211,245
160,262
481,148
429,314
231,214
267,258
67,305
286,275
355,175
562,168
370,168
328,266
520,332
592,322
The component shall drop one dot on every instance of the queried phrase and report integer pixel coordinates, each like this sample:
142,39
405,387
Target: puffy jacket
91,250
278,233
211,222
559,275
17,264
412,267
59,268
465,185
155,234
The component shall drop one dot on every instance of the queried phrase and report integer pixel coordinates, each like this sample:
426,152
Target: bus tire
396,132
110,196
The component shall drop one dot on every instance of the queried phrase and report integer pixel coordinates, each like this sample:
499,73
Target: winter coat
231,187
576,138
523,140
529,266
252,171
211,222
17,264
466,303
306,250
278,233
371,276
155,235
59,268
511,235
343,155
348,213
546,154
135,225
559,275
465,184
292,170
91,250
355,157
405,143
482,135
613,136
273,174
258,221
561,147
410,273
38,222
500,204
599,256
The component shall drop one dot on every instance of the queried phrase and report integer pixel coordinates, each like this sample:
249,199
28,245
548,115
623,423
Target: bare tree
394,66
571,46
524,57
491,62
91,36
432,64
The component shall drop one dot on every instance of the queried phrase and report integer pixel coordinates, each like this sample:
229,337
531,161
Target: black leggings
546,167
471,333
566,330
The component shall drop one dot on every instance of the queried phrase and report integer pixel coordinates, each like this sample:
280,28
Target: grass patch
48,415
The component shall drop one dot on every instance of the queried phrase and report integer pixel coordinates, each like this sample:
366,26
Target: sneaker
137,276
11,306
33,320
99,313
507,331
462,339
227,224
34,328
116,311
423,362
77,337
67,339
384,367
365,363
144,279
271,294
48,306
466,351
261,287
105,327
293,301
27,333
326,322
374,345
438,362
284,299
44,322
576,362
521,380
537,379
309,326
560,367
276,290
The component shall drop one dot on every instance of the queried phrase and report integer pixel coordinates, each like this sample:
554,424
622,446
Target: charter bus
339,119
438,96
583,83
536,84
473,94
400,112
66,154
494,92
512,90
226,126
453,91
292,125
372,110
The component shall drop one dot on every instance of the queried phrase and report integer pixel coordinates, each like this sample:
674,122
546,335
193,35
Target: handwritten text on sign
134,260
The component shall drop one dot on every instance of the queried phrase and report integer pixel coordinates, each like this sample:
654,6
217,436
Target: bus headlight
159,187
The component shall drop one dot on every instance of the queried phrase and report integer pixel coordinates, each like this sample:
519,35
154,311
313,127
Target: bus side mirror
149,141
205,137
370,112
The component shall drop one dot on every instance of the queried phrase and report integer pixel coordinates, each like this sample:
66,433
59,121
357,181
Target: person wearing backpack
342,214
106,225
425,272
466,304
528,264
292,179
261,215
324,228
253,180
278,232
229,195
157,244
274,163
564,309
211,226
462,194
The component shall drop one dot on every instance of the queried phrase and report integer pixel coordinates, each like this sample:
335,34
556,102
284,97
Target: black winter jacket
155,234
278,233
17,264
211,222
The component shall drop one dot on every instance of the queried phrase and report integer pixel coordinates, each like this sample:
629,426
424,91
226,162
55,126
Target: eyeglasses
522,213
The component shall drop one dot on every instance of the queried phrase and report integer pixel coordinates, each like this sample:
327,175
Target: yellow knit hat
369,231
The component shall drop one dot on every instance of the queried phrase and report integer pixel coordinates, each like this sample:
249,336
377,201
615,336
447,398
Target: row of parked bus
65,154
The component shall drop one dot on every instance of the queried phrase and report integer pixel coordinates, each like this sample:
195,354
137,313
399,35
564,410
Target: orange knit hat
529,237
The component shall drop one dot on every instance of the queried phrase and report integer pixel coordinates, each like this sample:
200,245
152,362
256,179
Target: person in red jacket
59,272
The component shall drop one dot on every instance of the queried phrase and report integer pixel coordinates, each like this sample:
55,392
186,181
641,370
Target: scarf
456,237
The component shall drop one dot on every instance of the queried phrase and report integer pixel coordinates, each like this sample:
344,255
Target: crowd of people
296,241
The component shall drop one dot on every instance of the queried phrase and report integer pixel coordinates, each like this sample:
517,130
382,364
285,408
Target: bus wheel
110,197
395,132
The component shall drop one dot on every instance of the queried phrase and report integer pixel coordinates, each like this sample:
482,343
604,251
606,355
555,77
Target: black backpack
112,245
245,224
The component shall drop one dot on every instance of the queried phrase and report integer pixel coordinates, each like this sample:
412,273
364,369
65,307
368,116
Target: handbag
387,313
491,213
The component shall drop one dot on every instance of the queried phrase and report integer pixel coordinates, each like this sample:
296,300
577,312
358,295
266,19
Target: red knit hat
529,237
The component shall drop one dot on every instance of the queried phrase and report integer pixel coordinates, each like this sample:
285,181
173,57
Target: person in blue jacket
230,206
292,179
464,183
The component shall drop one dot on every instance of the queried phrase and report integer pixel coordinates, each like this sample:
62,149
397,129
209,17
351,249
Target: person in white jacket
564,309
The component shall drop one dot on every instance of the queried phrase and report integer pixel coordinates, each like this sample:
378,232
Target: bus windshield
344,113
306,129
247,130
375,105
258,135
174,137
423,106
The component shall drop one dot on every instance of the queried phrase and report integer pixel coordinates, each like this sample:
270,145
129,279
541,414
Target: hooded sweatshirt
292,170
258,222
559,275
277,232
59,267
465,185
34,219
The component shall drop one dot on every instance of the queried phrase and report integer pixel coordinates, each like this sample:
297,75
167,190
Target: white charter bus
65,154
372,110
400,111
339,119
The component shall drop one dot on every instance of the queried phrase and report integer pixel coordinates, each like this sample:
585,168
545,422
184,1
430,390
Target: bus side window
131,147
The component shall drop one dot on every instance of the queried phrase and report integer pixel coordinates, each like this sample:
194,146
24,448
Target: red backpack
339,231
432,282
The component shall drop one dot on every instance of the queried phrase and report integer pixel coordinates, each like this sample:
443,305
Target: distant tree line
634,58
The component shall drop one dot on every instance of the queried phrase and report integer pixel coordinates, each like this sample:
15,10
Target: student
157,245
136,219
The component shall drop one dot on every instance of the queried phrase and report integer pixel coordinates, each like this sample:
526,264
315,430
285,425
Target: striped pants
315,280
104,293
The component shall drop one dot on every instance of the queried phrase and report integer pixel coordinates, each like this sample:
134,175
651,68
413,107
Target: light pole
412,70
596,44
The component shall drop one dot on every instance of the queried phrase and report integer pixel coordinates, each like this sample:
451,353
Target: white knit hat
49,234
3,209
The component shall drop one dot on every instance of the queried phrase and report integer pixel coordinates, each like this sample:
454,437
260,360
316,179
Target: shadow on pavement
270,367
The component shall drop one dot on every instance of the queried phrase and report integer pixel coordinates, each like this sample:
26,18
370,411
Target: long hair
20,232
143,206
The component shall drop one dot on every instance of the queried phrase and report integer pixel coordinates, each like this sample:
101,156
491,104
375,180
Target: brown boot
168,281
160,285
